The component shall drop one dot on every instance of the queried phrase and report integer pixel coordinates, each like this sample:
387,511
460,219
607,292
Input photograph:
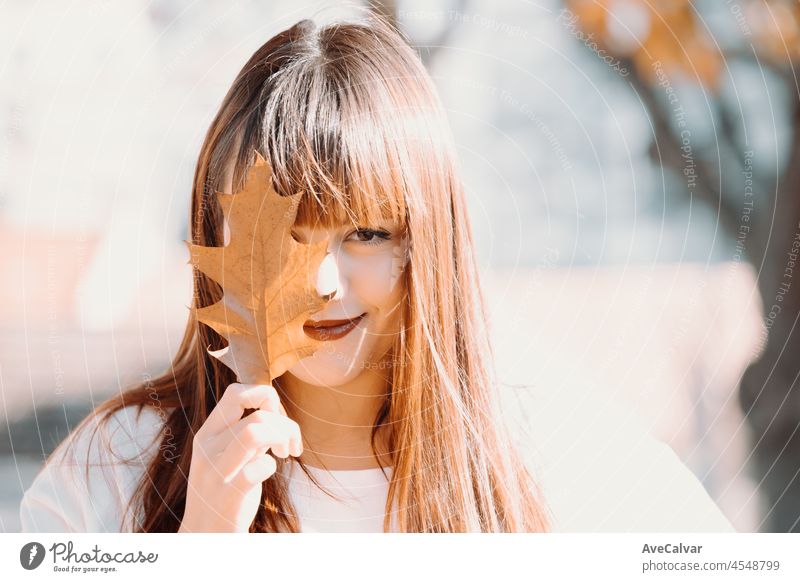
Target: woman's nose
328,285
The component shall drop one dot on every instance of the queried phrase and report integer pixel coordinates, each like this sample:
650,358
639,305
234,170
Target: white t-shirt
598,468
361,505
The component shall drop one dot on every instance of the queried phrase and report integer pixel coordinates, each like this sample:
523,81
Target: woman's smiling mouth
331,329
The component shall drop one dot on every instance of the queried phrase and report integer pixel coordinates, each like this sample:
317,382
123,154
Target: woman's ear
401,256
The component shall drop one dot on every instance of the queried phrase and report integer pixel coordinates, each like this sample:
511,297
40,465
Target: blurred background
632,172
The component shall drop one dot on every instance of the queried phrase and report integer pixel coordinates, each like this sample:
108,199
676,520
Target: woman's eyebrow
386,223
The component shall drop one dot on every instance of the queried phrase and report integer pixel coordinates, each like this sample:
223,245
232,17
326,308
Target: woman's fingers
236,398
256,471
235,449
255,434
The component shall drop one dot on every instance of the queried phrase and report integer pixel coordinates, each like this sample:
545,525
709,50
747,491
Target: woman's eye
371,236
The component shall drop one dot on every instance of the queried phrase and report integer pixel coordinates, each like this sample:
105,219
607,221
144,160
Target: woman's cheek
373,278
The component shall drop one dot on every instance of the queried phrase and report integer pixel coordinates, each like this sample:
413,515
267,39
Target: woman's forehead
305,222
343,209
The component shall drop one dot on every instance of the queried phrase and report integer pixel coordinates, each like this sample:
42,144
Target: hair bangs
367,196
342,147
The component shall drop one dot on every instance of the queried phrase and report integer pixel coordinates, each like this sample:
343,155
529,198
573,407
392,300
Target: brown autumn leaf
266,276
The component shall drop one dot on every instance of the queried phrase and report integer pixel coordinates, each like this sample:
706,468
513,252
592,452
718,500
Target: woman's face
363,269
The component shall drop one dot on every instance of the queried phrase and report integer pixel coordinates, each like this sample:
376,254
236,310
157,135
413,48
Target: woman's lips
331,329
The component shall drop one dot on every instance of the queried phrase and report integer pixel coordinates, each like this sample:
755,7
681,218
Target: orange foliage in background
672,32
776,29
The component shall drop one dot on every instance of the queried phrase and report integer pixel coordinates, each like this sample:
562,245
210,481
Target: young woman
396,424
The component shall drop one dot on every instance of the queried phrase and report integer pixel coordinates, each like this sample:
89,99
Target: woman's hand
230,460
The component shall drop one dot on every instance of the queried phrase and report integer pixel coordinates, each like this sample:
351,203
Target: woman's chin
325,370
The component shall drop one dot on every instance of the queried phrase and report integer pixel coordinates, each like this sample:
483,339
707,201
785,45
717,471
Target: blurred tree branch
666,151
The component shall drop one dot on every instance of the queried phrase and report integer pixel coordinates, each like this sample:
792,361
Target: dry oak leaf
268,279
